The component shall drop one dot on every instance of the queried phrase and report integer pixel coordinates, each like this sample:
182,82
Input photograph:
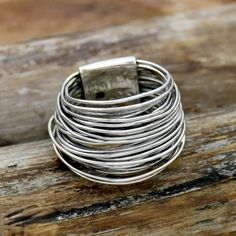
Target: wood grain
196,194
210,211
22,20
201,59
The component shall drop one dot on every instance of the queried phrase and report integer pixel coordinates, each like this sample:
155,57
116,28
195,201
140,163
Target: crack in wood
214,176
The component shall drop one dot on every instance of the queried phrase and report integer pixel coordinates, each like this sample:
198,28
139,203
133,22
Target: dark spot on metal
100,95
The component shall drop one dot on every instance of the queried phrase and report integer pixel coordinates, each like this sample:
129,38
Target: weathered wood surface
198,48
195,195
210,211
22,20
51,197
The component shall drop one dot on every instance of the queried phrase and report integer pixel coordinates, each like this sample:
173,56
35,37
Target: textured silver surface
110,79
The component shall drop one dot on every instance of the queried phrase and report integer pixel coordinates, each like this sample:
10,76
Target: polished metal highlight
123,139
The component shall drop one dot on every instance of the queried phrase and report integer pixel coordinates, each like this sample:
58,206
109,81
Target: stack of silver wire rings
115,142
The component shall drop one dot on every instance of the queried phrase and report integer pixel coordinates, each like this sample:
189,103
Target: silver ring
120,140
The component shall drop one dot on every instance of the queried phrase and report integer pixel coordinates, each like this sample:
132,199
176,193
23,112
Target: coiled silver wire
114,143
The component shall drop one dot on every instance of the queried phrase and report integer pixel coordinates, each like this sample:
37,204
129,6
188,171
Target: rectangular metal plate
110,79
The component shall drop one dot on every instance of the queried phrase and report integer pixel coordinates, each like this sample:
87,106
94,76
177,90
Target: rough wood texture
22,20
189,45
51,197
195,195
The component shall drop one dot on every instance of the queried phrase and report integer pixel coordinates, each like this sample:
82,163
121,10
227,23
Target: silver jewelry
118,121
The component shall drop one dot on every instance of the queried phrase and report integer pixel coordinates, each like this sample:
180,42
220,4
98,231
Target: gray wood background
195,195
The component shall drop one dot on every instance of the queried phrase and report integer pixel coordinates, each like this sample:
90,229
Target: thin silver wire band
111,142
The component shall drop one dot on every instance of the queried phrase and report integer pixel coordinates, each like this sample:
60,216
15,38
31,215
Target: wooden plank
209,211
201,59
50,196
22,20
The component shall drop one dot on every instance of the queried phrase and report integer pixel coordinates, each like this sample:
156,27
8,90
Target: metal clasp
110,79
